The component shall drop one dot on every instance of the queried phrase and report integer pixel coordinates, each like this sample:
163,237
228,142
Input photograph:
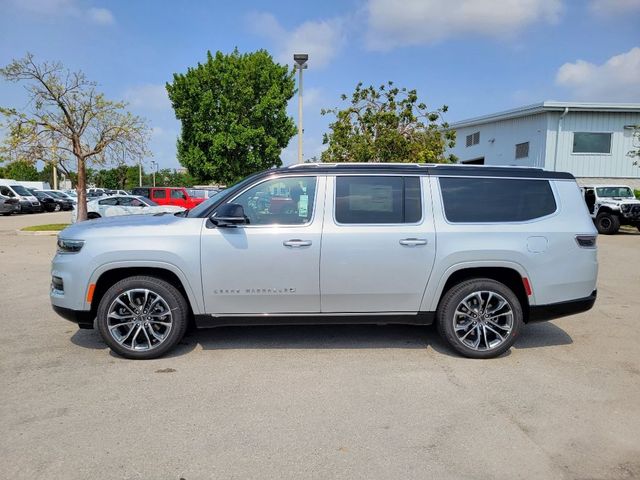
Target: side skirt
210,321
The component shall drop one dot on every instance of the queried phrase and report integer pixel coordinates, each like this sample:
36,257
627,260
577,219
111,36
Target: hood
119,225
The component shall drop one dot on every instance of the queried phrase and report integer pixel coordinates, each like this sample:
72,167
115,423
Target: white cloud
414,22
148,97
101,16
320,39
64,8
613,7
615,80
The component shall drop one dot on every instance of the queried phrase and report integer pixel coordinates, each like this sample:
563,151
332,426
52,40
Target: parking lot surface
339,402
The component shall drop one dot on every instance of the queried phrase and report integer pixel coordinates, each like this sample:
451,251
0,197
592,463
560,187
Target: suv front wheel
607,223
142,317
480,318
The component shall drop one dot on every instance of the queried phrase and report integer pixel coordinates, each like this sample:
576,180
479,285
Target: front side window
281,201
377,199
479,200
591,142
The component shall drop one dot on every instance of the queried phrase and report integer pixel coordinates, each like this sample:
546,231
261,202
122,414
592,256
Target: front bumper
26,206
541,313
84,319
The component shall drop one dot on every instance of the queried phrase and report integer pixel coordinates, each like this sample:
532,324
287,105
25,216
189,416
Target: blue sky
476,56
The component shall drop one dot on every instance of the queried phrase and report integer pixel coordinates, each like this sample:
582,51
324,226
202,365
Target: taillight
586,241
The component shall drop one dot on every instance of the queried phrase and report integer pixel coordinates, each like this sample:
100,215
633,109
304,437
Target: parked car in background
72,193
124,205
63,195
177,196
62,200
8,205
48,202
480,251
611,206
28,203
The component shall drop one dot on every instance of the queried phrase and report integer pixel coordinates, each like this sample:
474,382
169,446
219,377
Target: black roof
442,170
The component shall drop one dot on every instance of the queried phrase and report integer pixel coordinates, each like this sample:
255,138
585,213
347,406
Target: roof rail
352,164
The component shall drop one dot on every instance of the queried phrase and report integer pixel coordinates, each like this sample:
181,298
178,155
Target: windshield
20,190
56,194
622,192
148,201
204,206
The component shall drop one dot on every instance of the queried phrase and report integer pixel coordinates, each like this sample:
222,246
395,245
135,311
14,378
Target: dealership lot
317,402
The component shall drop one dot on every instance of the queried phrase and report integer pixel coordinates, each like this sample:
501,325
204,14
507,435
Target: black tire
175,302
446,317
92,215
607,223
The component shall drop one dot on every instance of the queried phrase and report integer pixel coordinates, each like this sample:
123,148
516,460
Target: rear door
159,195
378,244
178,197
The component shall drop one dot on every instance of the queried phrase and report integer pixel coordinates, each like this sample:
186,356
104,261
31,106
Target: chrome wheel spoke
480,332
133,310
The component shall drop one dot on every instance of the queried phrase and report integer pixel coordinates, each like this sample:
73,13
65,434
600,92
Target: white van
13,189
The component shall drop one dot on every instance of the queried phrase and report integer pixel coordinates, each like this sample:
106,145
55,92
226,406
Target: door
271,265
378,244
179,197
159,195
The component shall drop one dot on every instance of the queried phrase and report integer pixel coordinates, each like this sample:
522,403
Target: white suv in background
480,251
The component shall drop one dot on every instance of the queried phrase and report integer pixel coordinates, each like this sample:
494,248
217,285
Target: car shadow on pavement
330,337
543,334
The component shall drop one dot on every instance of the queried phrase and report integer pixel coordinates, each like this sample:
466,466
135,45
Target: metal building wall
617,164
498,141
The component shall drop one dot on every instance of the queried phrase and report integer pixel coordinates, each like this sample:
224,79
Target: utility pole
140,173
301,64
154,164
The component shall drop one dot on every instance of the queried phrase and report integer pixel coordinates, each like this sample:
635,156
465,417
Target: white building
590,140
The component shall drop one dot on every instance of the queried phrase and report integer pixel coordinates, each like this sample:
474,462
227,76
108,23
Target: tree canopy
233,114
67,118
387,124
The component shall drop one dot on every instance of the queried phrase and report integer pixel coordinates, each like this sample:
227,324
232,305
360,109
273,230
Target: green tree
233,114
387,124
21,170
67,118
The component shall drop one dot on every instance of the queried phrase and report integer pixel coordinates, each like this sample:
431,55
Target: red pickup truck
178,196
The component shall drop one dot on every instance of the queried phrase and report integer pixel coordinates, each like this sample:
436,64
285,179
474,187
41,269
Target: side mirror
229,215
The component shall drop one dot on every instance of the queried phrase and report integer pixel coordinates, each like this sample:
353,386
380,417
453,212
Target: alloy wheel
139,319
483,320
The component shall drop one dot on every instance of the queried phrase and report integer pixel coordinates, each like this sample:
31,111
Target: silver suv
480,251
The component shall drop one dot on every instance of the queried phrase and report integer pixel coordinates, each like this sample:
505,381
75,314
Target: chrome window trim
422,209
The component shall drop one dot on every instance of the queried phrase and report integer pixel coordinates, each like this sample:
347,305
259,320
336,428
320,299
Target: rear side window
159,193
377,199
473,200
143,192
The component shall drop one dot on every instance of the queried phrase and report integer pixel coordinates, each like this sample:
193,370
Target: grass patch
49,227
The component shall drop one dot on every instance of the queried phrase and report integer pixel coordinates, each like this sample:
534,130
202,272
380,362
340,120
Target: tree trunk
81,189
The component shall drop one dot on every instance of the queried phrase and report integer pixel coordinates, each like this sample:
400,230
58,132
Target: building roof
548,106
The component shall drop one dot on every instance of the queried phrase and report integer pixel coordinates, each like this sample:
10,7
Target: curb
42,233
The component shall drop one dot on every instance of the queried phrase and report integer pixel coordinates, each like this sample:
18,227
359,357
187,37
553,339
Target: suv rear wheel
142,317
480,318
607,223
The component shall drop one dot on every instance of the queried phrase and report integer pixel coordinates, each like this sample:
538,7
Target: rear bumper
84,319
540,313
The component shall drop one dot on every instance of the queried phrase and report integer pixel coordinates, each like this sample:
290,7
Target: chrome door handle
296,243
413,242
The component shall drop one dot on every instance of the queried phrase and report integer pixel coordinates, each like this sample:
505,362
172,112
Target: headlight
69,246
625,207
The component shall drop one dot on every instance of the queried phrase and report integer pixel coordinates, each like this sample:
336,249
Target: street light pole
154,164
140,173
301,64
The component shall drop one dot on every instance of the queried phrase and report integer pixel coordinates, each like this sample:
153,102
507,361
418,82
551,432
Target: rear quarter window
480,200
